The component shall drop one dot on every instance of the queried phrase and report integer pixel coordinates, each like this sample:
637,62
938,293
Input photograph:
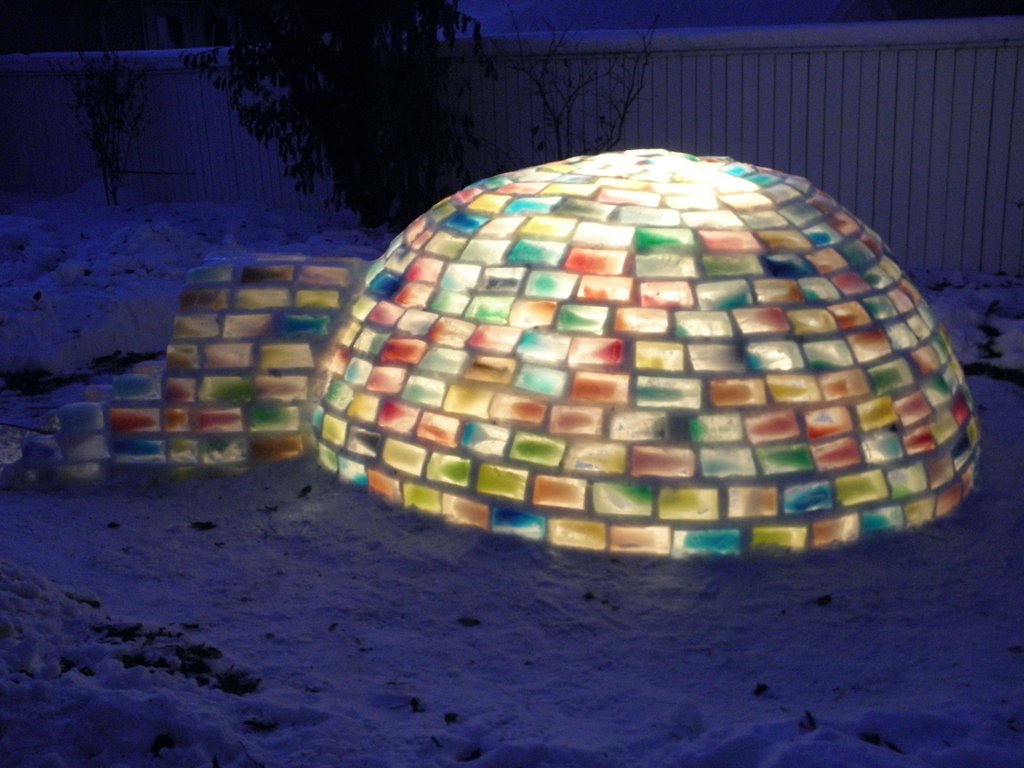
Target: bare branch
565,83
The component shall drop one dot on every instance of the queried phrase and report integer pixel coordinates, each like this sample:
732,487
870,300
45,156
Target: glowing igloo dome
650,352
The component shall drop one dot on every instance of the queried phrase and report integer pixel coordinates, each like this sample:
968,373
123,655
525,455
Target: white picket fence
918,127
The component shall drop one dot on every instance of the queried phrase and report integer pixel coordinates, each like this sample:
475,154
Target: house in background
496,16
187,24
29,26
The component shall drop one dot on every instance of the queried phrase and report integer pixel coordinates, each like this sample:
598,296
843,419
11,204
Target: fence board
885,129
746,111
1012,250
730,107
905,111
976,149
937,154
829,119
921,136
843,116
950,198
684,94
997,153
817,120
782,111
703,96
799,110
866,127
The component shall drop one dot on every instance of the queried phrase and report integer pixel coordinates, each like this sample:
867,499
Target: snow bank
77,689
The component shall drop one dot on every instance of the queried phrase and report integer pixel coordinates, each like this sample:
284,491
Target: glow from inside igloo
648,352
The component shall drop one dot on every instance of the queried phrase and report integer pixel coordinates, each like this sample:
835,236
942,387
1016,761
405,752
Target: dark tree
949,9
110,99
353,91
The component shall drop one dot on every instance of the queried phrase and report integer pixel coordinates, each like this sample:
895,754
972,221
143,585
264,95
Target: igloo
649,352
643,352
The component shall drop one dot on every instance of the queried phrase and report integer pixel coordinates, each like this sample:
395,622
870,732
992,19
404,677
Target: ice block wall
649,352
239,383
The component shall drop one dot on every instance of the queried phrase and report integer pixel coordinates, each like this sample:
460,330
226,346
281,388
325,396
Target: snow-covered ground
278,619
